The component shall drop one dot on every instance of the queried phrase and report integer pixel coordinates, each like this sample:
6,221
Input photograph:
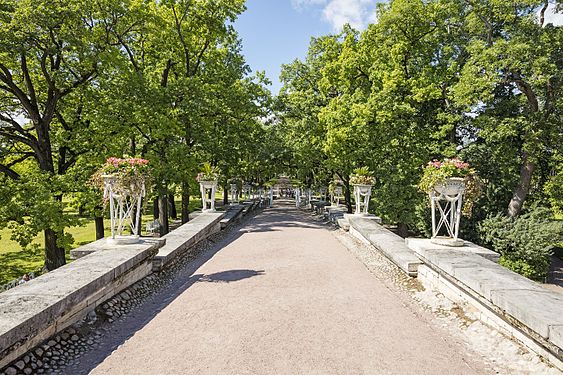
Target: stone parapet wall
518,307
40,309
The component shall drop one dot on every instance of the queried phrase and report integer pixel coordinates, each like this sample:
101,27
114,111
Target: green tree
49,51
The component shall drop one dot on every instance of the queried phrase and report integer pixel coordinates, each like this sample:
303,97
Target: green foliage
525,243
554,187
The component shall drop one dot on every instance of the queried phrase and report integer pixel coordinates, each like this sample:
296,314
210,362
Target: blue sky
275,32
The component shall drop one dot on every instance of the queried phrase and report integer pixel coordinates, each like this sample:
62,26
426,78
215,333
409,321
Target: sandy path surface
285,297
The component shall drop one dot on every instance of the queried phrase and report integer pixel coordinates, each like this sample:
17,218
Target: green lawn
15,261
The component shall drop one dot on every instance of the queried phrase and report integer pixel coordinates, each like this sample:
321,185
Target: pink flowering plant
437,172
130,174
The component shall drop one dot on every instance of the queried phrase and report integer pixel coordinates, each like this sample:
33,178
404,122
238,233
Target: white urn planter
125,209
362,194
446,200
206,186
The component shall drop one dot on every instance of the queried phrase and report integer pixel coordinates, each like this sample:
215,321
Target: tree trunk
528,167
99,221
173,211
226,196
347,196
54,255
163,214
185,202
402,230
155,211
523,187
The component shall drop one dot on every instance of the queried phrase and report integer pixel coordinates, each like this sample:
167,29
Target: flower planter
446,200
451,187
204,187
125,208
362,194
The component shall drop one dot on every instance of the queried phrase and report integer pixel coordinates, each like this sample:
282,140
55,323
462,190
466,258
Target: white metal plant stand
308,196
204,187
271,197
335,199
246,189
322,190
125,210
260,193
234,194
362,194
446,199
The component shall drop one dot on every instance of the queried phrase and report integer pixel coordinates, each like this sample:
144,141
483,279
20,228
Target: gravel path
283,296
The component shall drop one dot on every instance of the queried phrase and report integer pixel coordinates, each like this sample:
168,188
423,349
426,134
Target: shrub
525,243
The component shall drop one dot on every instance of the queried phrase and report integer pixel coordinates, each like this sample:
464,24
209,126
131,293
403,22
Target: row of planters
124,182
453,187
445,182
525,244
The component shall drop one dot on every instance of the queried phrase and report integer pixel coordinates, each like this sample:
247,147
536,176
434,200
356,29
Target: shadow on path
228,276
118,332
283,215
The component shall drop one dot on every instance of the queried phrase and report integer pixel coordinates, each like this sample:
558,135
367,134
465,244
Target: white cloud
552,17
355,12
358,13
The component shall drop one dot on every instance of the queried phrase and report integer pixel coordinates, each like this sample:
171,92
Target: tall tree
49,50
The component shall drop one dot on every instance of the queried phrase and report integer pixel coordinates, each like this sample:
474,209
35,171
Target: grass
15,261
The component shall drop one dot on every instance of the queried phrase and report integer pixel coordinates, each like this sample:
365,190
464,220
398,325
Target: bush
525,243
